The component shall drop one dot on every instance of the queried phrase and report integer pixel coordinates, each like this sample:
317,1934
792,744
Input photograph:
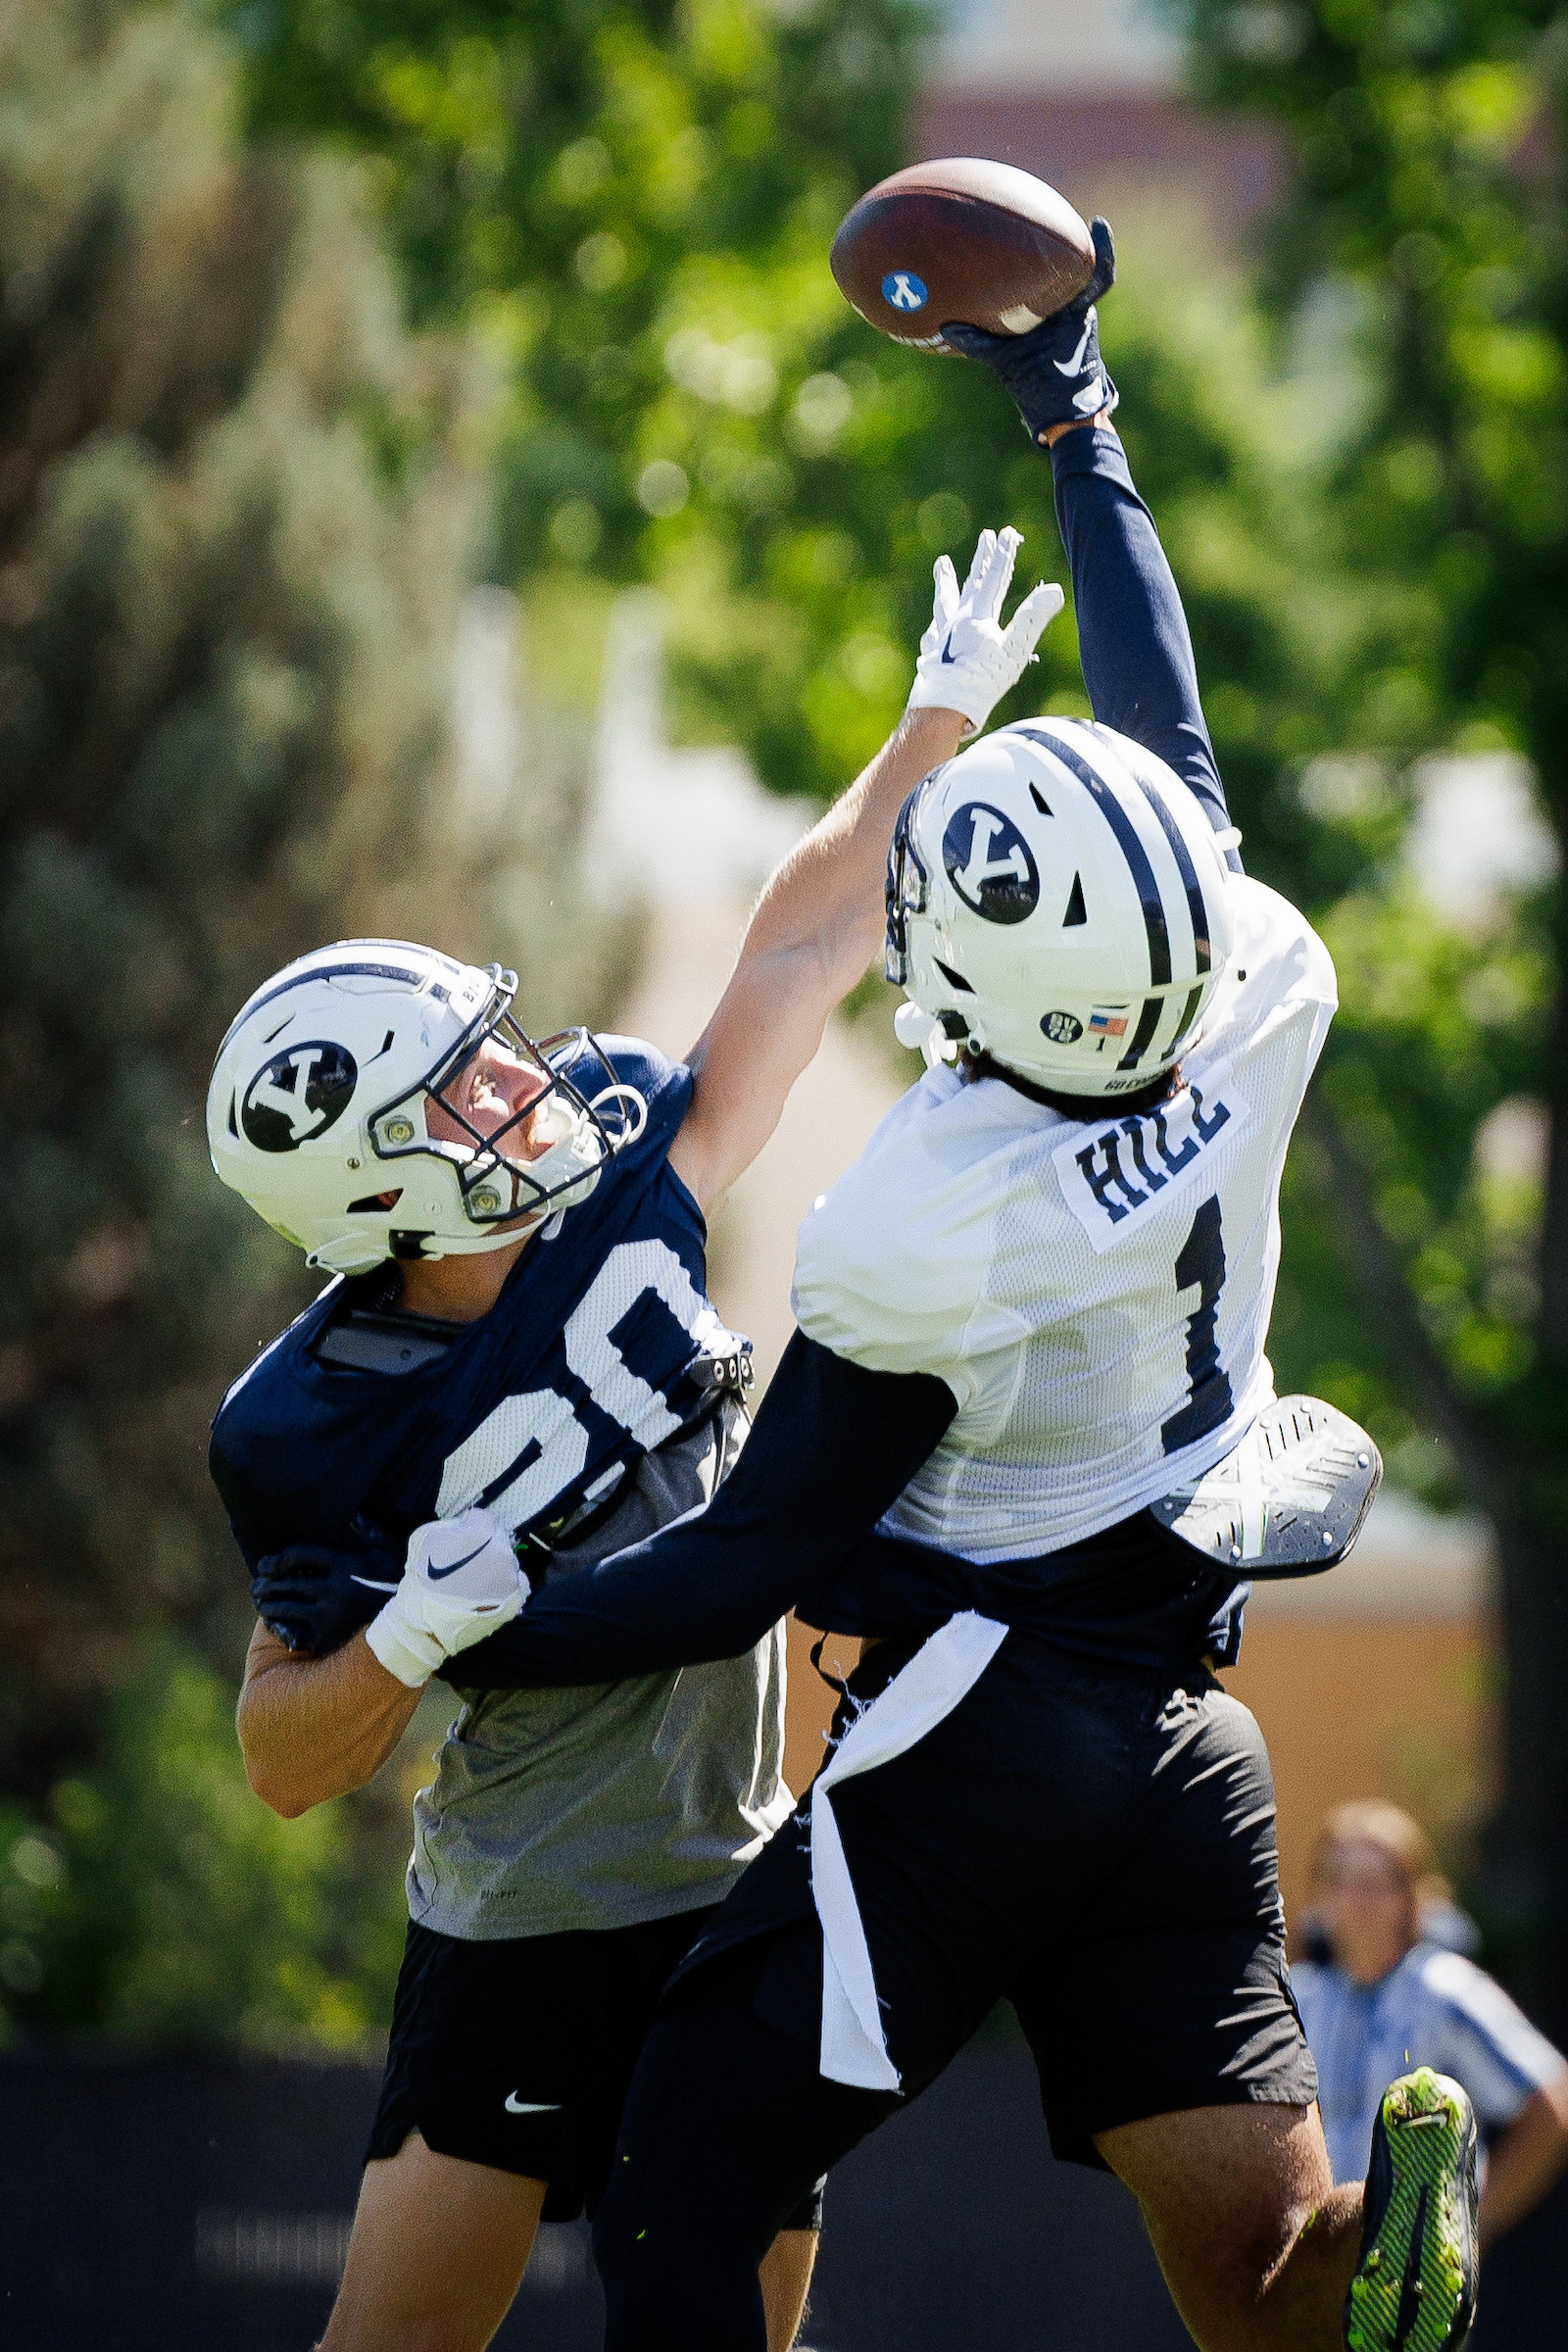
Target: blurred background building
1093,100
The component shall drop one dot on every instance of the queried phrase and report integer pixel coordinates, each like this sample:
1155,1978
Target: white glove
461,1581
967,662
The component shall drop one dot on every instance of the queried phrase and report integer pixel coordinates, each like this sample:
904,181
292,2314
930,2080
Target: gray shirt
600,1806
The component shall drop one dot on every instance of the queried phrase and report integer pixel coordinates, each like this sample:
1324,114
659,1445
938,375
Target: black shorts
516,2052
1098,1849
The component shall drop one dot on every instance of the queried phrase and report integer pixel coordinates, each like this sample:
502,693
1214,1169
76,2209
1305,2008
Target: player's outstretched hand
315,1599
967,661
461,1581
1055,373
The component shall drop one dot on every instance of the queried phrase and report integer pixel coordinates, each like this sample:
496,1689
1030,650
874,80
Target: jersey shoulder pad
665,1086
250,1394
891,1263
1283,958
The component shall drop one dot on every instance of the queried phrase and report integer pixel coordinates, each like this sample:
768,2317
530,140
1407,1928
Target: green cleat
1414,2288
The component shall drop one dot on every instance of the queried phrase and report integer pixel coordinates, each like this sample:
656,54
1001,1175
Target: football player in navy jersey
517,1356
1025,1443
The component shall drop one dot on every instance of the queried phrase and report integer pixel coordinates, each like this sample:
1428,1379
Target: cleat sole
1414,2285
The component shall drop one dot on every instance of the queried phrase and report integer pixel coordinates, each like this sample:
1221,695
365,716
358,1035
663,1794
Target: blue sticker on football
902,290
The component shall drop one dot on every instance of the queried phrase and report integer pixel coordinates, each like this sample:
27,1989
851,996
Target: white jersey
1095,1293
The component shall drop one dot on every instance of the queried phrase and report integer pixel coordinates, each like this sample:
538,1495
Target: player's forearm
833,1446
826,897
1133,638
314,1728
817,925
1525,2161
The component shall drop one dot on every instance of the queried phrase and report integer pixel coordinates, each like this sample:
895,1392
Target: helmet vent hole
232,1127
1077,913
1039,799
374,1203
954,979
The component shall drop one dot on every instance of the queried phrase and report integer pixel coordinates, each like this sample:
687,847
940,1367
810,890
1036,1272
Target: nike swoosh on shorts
517,2106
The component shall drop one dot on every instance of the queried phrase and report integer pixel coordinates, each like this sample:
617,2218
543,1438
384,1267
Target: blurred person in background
1381,1989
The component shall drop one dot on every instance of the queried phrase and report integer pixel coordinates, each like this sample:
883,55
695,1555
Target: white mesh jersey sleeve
890,1265
1095,1293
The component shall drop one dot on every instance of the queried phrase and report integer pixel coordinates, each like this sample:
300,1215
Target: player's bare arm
817,927
819,921
315,1728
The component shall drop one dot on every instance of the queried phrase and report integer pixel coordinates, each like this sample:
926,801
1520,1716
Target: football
963,240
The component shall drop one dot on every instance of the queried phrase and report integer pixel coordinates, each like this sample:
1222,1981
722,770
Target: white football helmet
316,1113
1058,900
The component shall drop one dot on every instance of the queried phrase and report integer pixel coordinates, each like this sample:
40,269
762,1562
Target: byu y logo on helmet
299,1094
989,864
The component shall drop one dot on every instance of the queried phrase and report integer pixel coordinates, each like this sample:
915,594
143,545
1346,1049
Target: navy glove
315,1599
1055,373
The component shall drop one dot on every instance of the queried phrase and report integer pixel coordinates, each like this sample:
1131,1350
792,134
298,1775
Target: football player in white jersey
1032,1326
518,1351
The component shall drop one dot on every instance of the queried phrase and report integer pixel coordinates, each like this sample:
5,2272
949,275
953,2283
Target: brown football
962,240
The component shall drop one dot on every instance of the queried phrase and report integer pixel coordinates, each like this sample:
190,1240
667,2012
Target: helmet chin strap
359,1254
1160,1088
485,1238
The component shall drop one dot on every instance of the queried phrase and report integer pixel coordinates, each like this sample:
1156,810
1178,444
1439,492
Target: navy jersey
579,1369
612,1801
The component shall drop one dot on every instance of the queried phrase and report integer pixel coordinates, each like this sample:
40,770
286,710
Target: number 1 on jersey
1200,1260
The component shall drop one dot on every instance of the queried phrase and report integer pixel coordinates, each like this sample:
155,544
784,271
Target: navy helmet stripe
1196,904
1148,1023
334,971
1189,1013
1156,928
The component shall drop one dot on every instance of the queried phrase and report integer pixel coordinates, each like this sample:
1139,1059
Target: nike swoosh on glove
967,661
460,1582
1055,373
315,1599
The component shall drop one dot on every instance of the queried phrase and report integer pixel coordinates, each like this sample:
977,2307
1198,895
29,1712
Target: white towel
942,1671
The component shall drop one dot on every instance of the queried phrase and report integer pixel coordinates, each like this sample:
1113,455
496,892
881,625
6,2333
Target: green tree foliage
155,1898
635,203
1429,204
235,524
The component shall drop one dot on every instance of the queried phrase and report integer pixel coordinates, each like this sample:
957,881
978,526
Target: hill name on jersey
1114,1181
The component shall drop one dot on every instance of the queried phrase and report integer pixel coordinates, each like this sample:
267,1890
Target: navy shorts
516,2052
1096,1845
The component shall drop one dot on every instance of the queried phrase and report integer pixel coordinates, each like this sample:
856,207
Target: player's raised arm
819,920
1133,638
